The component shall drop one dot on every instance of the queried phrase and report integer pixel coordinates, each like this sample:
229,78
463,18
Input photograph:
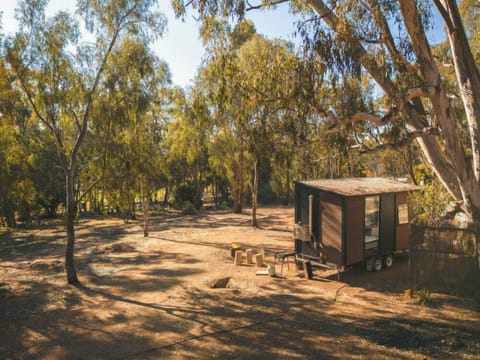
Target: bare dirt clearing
151,298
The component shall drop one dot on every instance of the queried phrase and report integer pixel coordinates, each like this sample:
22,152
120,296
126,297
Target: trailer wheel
377,264
388,261
369,264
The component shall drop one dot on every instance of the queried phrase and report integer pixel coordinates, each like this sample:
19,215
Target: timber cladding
331,231
354,225
403,230
336,209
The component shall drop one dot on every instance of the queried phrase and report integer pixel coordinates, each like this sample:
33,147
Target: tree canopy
98,125
386,42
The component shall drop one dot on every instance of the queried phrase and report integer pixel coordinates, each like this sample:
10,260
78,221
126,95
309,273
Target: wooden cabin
340,222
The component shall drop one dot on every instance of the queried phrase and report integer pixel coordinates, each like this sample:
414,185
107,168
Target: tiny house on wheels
341,222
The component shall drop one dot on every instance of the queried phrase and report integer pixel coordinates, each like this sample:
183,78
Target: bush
266,194
429,204
424,297
187,194
187,208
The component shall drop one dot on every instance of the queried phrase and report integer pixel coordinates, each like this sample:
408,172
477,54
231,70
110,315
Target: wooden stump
238,257
259,260
249,254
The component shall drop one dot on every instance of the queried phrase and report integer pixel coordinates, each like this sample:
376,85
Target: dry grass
152,298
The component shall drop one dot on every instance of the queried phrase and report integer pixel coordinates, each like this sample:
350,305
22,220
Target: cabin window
402,214
372,211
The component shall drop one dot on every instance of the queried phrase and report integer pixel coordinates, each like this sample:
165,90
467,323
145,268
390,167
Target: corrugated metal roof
360,186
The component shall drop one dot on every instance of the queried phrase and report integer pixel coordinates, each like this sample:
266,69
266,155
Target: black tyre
388,261
377,264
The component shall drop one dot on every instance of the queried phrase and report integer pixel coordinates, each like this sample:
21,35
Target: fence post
476,240
410,259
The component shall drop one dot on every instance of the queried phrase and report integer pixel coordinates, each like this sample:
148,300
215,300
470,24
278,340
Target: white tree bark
446,155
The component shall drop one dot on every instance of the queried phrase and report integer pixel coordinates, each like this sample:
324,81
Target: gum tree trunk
238,184
445,153
71,208
255,194
145,216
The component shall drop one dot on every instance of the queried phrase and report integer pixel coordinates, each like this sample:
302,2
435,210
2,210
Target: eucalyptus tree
10,107
133,99
231,108
187,145
45,173
266,75
259,93
8,179
470,14
387,42
60,74
403,66
26,178
238,78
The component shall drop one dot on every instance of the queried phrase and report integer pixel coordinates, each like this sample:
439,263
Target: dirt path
151,298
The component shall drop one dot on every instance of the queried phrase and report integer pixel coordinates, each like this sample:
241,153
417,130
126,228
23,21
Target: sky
180,47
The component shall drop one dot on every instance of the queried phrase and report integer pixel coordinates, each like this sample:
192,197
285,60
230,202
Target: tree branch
387,38
89,188
92,90
388,117
367,61
445,16
399,144
372,41
261,6
443,163
53,129
75,118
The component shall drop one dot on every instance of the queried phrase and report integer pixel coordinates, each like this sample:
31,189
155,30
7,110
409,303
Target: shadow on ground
149,299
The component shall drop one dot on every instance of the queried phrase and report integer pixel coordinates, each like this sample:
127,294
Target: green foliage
254,100
187,145
185,196
430,202
266,194
132,132
188,208
364,75
424,297
61,76
258,98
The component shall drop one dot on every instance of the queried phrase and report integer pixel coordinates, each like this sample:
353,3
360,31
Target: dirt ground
152,298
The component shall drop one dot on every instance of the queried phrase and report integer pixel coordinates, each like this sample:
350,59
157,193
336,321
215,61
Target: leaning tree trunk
448,161
145,216
215,192
476,224
466,168
165,196
237,202
254,194
287,184
71,208
238,185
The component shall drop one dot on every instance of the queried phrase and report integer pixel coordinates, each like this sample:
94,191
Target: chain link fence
444,259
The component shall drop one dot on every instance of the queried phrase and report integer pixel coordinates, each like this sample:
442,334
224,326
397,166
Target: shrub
424,297
187,194
187,208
